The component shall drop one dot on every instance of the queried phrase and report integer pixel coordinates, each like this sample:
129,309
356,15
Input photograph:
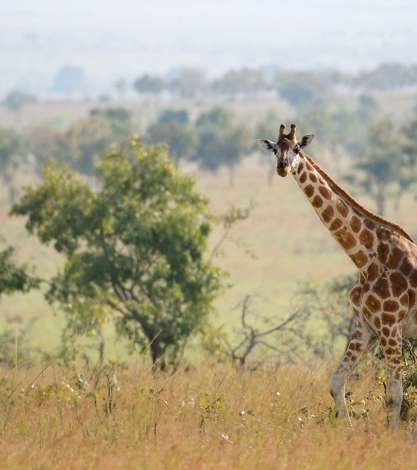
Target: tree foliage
383,168
14,277
220,142
173,129
135,249
149,84
81,145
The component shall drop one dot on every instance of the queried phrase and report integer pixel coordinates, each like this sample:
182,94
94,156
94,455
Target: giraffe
384,297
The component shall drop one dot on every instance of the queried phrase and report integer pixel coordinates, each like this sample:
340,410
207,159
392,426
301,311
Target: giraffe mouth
283,170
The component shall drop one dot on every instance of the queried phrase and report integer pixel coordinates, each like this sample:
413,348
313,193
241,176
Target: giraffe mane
335,187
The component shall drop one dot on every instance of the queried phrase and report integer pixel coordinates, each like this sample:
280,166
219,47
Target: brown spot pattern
300,167
398,284
383,341
377,322
303,178
369,224
325,192
372,272
406,267
383,234
411,298
313,177
309,190
317,201
336,224
342,208
390,306
385,331
359,258
373,303
355,223
327,214
413,278
346,239
382,251
404,300
388,319
366,237
381,288
355,295
394,258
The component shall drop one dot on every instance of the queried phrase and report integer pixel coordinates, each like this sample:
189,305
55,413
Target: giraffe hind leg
359,343
391,344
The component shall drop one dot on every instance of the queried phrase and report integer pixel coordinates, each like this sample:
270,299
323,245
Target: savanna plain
205,415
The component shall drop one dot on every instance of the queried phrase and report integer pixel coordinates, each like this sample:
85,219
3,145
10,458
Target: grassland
281,245
211,417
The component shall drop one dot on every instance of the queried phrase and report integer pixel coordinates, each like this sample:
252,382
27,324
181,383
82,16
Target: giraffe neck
354,232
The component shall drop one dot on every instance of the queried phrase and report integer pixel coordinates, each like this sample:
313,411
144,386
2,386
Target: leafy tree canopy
135,249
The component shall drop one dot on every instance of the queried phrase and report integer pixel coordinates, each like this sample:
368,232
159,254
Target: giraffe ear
268,144
306,140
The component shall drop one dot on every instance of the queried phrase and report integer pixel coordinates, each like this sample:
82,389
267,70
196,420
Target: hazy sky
112,38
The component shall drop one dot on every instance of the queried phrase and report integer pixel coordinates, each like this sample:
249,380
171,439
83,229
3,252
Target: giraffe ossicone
384,298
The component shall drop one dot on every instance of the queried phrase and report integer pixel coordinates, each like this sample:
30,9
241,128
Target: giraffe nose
283,168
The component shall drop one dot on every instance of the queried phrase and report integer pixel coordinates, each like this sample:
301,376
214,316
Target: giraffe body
384,298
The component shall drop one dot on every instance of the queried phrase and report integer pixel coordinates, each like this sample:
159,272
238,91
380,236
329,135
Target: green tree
302,89
220,141
382,168
181,139
14,277
149,85
189,82
134,250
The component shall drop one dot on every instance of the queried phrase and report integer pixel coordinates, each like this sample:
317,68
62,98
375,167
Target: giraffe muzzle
283,169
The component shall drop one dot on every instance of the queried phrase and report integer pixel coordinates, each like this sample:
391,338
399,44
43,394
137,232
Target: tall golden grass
206,417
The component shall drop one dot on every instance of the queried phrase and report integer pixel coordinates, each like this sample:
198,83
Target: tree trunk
157,355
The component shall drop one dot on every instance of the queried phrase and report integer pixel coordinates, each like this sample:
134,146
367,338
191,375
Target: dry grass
207,417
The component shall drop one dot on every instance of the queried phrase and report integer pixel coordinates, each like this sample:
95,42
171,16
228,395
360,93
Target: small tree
135,250
173,129
149,85
189,82
220,142
382,168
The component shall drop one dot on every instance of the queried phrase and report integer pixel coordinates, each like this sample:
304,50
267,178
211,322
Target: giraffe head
286,148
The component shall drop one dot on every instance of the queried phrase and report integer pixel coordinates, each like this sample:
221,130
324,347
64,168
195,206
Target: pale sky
112,38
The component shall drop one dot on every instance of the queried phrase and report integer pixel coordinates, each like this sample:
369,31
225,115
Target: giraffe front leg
358,345
391,344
